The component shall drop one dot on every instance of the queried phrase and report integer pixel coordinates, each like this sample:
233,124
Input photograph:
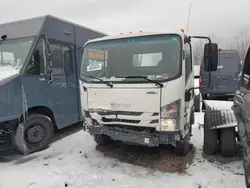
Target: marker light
140,31
182,30
121,33
130,32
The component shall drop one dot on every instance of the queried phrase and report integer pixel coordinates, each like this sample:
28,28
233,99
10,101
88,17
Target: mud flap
19,140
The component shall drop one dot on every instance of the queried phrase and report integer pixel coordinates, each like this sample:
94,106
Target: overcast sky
221,17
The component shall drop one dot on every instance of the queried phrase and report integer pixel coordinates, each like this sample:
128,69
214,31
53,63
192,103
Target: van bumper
136,137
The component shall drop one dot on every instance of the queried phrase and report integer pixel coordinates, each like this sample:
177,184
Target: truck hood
10,97
7,72
125,99
125,106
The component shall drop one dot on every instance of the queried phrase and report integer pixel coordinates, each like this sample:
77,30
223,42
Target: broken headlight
170,116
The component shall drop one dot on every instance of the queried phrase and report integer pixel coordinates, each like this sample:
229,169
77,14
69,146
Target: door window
60,64
188,61
36,64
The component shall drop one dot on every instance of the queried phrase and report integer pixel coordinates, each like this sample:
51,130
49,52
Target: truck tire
228,141
197,103
182,146
210,145
102,140
35,134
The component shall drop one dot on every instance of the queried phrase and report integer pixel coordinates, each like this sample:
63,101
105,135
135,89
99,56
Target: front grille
107,120
125,113
154,121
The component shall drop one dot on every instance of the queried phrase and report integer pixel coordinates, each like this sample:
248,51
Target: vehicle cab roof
121,36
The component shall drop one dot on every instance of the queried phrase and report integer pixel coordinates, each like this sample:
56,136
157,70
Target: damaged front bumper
5,139
136,137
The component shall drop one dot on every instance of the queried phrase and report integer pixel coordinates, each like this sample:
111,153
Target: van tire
210,145
182,146
34,134
228,141
197,103
102,140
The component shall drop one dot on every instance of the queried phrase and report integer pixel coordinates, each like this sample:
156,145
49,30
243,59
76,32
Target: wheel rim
34,134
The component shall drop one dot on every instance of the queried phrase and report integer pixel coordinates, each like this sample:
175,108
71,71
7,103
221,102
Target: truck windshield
132,59
14,52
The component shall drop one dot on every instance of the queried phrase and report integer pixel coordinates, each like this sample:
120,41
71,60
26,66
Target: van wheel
197,103
210,145
102,140
228,141
34,134
182,146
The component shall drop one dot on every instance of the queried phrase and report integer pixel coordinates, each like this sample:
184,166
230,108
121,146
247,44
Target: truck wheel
210,135
35,134
197,103
103,139
182,146
227,141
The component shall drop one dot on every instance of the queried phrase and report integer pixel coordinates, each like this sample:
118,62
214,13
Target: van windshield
14,52
128,59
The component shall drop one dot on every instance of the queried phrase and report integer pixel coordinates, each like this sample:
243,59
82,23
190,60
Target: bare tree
198,50
242,41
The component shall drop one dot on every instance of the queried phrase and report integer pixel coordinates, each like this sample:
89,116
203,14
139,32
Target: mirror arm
193,88
209,56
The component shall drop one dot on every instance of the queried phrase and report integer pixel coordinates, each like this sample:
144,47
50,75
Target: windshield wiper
144,77
105,82
3,37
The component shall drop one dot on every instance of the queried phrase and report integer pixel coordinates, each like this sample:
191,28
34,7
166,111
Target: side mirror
210,57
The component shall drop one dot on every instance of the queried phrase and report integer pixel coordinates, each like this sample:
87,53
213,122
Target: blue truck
39,87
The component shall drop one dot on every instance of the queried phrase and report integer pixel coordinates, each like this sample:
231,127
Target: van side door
63,88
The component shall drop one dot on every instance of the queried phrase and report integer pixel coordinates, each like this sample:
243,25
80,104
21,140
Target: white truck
139,88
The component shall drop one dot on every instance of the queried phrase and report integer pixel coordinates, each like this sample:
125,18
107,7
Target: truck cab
39,88
139,89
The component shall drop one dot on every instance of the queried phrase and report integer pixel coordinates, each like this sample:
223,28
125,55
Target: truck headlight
170,115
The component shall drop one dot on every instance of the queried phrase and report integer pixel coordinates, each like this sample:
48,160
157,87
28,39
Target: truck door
63,88
189,83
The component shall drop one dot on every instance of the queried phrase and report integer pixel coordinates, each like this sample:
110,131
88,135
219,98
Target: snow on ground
62,165
7,71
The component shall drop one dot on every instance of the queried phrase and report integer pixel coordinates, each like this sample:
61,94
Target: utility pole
189,12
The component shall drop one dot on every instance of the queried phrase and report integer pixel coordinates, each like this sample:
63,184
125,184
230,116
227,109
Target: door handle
42,79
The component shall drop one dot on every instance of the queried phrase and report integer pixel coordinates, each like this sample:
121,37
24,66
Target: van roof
33,26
